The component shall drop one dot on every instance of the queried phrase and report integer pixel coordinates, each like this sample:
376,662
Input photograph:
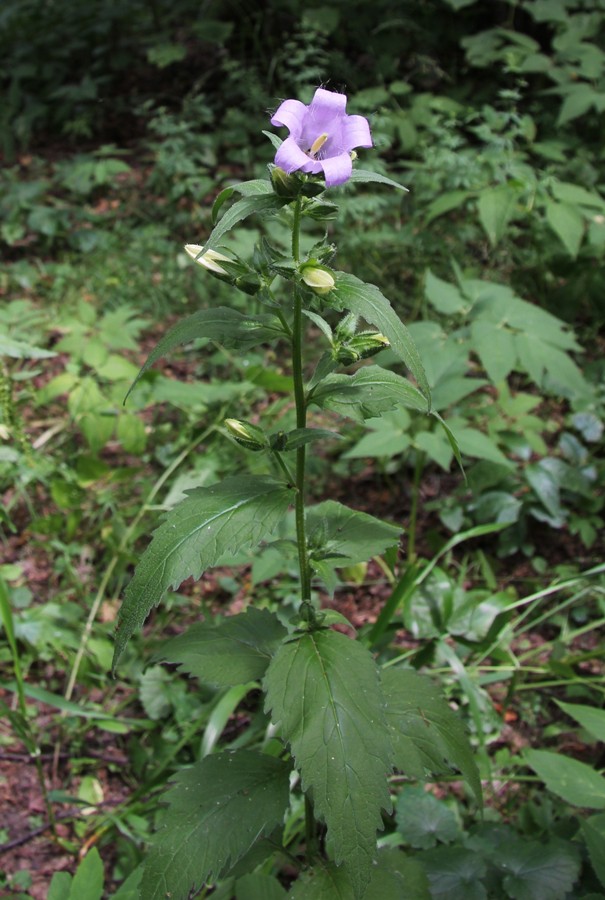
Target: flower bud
360,346
285,186
210,260
247,435
319,280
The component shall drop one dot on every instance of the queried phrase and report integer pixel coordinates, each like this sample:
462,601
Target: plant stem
301,417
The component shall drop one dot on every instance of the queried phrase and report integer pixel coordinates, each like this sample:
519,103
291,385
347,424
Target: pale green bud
210,260
319,280
247,435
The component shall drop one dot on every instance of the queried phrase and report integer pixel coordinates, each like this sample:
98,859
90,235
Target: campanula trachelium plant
338,726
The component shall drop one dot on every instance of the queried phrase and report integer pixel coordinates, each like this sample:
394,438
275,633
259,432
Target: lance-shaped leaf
235,651
223,325
324,693
209,523
362,176
256,203
346,536
367,301
217,810
368,393
427,735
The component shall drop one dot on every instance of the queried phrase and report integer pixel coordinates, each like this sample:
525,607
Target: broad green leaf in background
423,821
221,713
217,809
445,297
454,873
87,883
495,346
576,782
257,886
346,536
323,693
211,522
130,889
537,869
245,189
394,877
594,833
496,207
60,886
367,393
367,301
223,325
589,717
567,223
236,650
427,735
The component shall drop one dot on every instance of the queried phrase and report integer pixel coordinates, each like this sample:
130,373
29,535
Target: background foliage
119,122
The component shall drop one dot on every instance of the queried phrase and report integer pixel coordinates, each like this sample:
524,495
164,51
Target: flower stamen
318,144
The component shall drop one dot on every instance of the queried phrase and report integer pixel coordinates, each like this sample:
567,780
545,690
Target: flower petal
337,169
291,114
325,107
356,132
291,158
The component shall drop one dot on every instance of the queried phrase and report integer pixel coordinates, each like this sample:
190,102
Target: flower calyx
359,346
225,269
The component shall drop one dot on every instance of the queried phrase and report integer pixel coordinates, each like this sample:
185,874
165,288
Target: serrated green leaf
256,203
324,694
568,192
362,176
367,301
325,882
347,536
427,735
589,717
16,349
87,883
536,869
496,207
257,886
394,877
567,224
245,188
576,782
236,650
217,810
209,523
454,873
423,821
368,393
223,325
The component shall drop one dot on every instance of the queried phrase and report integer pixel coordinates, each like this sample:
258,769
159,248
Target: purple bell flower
321,138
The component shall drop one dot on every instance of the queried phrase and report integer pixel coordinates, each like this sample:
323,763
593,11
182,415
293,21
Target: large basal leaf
454,873
223,325
367,393
209,523
427,735
423,820
534,869
323,692
576,782
346,536
367,301
216,811
394,877
235,651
